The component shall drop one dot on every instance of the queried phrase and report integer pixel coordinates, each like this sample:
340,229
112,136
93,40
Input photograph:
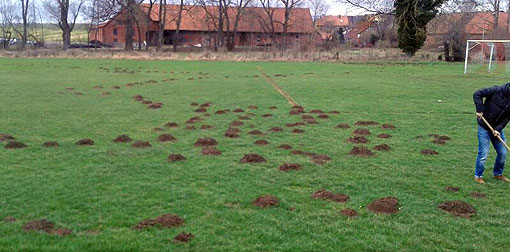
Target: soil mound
358,139
155,105
438,141
334,112
6,137
210,151
175,157
261,142
285,147
320,159
316,111
115,87
266,201
340,197
429,152
86,141
232,133
362,132
201,110
39,225
106,93
451,189
122,139
327,195
252,107
220,112
98,87
290,167
366,123
458,208
349,213
236,123
193,104
15,145
323,116
388,126
194,119
276,129
166,138
164,221
386,205
206,127
244,118
138,98
311,121
384,135
158,129
252,158
171,125
361,152
183,237
477,195
382,147
307,117
267,115
238,110
205,142
273,107
146,102
50,144
298,131
295,124
205,104
255,132
141,144
343,126
296,110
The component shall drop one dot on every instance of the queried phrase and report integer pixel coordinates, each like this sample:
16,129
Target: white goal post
472,43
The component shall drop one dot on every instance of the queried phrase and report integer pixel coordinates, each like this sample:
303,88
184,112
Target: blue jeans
484,139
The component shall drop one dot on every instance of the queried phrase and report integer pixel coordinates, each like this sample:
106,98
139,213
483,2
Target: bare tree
178,19
238,8
24,16
65,13
318,8
7,18
289,5
162,21
148,21
267,19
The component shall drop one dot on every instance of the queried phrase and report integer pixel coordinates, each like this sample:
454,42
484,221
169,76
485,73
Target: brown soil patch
267,115
50,144
334,112
311,121
204,142
290,167
220,112
298,131
276,129
39,225
106,93
155,105
122,139
183,237
438,141
193,104
206,127
255,132
273,107
205,104
327,195
307,117
320,159
146,102
10,219
238,110
362,132
358,139
458,208
296,110
440,137
252,158
285,147
236,123
349,213
323,116
164,221
141,144
266,201
386,205
297,152
428,152
261,142
166,138
158,129
451,189
244,118
15,145
382,147
194,119
175,157
252,107
340,197
388,126
295,124
384,135
98,87
210,151
477,195
343,126
361,152
115,87
172,125
86,141
366,123
6,137
316,111
201,110
232,133
138,98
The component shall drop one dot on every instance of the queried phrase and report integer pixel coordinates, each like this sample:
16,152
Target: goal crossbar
478,42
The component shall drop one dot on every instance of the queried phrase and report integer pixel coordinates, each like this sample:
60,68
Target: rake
499,137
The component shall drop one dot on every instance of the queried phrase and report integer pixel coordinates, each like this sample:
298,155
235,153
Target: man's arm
502,124
480,94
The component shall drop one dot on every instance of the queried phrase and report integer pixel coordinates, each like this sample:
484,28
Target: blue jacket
496,108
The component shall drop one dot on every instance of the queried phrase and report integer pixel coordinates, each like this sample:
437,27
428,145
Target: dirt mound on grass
244,118
311,121
220,112
366,123
266,201
316,111
39,225
336,112
386,205
206,127
146,102
290,167
441,137
358,139
307,117
429,152
106,93
343,126
61,231
50,144
6,137
175,157
138,98
327,195
86,141
155,105
253,158
158,129
141,144
362,132
323,116
255,132
298,131
122,139
296,110
194,119
183,237
238,110
361,152
232,133
276,129
205,142
171,125
267,115
451,189
166,138
290,125
382,147
164,221
210,151
193,104
458,208
15,145
115,87
319,159
190,127
477,195
201,110
384,135
285,147
438,141
252,107
388,126
340,197
98,87
349,213
273,107
236,123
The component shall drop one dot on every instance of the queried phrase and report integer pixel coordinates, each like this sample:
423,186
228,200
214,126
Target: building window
258,38
114,31
114,40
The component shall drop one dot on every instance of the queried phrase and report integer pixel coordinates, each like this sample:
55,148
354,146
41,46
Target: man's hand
496,133
479,114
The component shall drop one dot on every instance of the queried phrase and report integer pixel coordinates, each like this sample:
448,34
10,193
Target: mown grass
108,188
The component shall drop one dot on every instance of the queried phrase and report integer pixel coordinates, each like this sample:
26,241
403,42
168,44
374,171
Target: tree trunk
178,26
162,19
24,13
64,24
130,16
147,25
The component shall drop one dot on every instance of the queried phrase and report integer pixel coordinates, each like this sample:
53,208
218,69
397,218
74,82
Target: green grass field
100,192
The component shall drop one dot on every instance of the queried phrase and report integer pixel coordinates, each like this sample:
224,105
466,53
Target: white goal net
487,56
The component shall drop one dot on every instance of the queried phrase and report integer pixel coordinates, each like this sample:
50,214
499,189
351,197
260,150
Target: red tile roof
335,21
360,28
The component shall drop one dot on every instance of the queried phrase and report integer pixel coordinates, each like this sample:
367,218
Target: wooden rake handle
499,137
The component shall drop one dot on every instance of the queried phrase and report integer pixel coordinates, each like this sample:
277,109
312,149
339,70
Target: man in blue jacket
496,110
